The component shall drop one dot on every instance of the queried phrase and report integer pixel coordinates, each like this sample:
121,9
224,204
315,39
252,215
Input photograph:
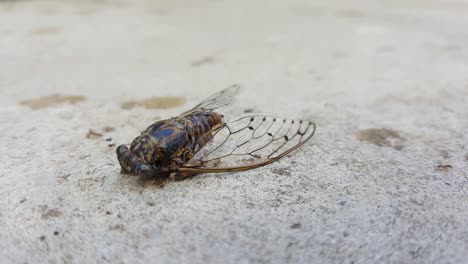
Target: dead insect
186,145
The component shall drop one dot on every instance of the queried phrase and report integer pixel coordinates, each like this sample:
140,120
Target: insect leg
179,176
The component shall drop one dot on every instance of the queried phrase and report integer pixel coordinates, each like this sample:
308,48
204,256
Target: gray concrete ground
383,181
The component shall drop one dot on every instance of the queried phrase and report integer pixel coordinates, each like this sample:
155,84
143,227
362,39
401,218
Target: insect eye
121,150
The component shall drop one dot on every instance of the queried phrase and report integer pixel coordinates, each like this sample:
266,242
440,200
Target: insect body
198,140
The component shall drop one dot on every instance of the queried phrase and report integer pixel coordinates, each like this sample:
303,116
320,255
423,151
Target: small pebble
445,167
296,226
93,134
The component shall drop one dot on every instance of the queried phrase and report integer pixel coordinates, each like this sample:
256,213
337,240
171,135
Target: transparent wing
250,142
220,99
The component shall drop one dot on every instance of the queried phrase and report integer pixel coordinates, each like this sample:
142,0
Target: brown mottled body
167,144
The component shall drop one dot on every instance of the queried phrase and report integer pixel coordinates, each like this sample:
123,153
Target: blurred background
384,180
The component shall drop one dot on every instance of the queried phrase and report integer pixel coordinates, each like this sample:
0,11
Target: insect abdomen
205,122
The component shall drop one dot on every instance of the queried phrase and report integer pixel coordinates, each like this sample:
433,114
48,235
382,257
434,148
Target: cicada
201,141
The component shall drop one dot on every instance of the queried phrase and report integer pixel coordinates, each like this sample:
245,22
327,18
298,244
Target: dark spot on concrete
296,226
162,102
399,147
45,31
93,134
56,233
445,167
466,157
382,137
108,212
150,203
248,110
108,129
63,178
23,200
342,203
281,171
250,205
42,238
352,13
345,234
118,227
203,61
108,139
111,145
91,182
51,213
52,100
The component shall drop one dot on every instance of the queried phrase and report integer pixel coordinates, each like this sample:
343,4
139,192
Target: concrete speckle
395,67
203,61
281,171
51,213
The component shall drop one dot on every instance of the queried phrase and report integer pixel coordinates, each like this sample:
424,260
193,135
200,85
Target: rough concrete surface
384,180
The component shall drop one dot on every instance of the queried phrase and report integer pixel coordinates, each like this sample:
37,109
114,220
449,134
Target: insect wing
220,99
250,142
